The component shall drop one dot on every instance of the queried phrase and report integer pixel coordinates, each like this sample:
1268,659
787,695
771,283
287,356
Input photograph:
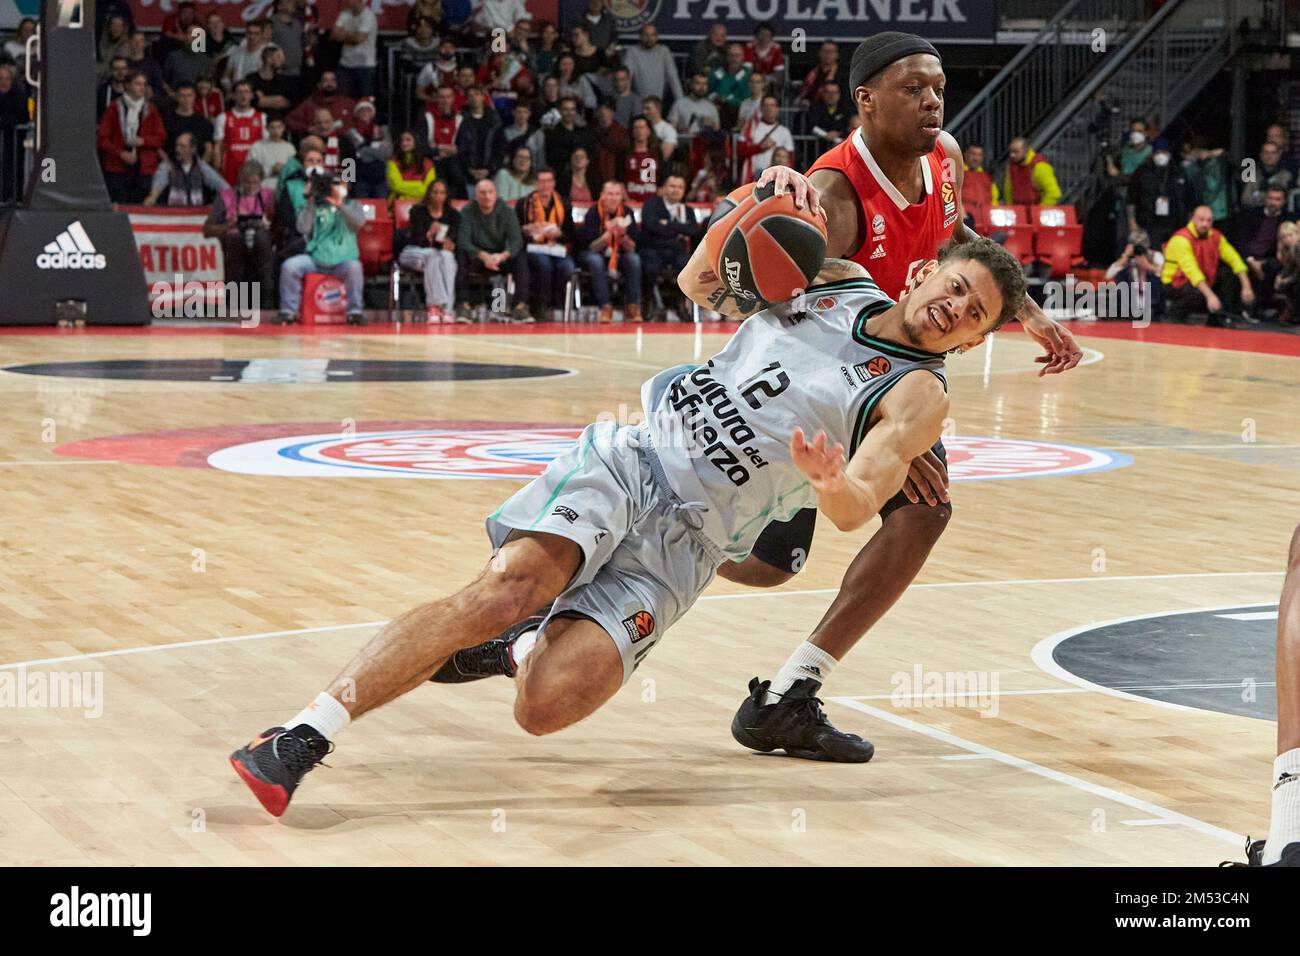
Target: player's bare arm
911,420
1061,351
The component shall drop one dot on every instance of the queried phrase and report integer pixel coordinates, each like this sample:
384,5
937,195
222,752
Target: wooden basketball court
215,602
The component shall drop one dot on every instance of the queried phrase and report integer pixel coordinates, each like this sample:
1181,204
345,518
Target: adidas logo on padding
71,249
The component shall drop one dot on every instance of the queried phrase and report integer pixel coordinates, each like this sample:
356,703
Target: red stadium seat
402,212
375,240
1058,238
1013,221
1060,248
1053,216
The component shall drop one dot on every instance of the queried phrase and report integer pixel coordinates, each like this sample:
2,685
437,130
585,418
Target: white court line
1009,582
1233,685
1106,793
1251,616
121,652
707,597
1042,654
1149,823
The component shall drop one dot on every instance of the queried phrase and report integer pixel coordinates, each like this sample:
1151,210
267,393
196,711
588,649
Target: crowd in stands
491,144
568,153
1202,235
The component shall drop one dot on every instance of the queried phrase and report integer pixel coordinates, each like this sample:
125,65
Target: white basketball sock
522,647
808,660
325,715
1284,825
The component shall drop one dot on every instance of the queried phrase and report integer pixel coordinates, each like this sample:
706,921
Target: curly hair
1005,268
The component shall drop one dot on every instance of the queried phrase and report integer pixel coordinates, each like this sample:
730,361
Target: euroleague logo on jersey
870,369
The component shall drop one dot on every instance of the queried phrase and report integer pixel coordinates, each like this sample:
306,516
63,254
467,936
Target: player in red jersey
236,130
891,195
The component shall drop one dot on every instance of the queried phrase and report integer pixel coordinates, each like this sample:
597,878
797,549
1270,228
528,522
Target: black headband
877,52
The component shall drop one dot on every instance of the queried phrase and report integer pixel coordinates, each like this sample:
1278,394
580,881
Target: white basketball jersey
722,430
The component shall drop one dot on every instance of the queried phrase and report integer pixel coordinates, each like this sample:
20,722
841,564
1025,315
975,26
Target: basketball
763,247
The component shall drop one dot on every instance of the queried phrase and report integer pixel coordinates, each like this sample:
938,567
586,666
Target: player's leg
784,714
571,671
1284,828
528,570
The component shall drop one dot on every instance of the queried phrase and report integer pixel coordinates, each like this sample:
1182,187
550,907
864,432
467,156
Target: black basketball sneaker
795,724
1255,855
491,658
274,763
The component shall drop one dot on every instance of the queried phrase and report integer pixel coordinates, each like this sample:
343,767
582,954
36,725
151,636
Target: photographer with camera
1139,264
241,219
329,223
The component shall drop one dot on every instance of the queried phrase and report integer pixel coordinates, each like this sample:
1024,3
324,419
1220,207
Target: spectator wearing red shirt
326,95
442,124
208,101
826,71
612,143
765,54
130,139
643,163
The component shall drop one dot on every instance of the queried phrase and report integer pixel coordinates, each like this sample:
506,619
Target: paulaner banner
819,19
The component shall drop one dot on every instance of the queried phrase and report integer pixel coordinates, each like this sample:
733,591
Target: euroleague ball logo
946,191
639,626
878,366
488,450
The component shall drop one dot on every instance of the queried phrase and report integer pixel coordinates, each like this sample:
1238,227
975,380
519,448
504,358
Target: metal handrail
1040,75
1066,113
1005,74
1163,64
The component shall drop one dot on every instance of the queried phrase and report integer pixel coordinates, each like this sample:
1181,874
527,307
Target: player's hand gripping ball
764,248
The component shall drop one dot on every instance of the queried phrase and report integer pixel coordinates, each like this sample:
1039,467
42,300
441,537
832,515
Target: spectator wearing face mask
1159,196
1122,164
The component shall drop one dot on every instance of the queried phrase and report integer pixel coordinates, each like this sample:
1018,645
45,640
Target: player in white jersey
620,535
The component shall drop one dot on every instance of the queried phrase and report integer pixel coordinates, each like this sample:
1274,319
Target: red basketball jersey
900,236
641,175
240,133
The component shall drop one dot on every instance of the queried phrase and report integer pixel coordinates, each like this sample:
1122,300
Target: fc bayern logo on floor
479,450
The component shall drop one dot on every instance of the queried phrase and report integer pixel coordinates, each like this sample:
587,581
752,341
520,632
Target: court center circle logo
487,451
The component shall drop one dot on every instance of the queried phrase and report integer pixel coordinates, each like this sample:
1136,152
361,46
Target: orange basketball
762,247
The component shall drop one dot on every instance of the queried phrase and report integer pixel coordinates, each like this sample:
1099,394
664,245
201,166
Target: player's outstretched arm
911,420
1060,351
